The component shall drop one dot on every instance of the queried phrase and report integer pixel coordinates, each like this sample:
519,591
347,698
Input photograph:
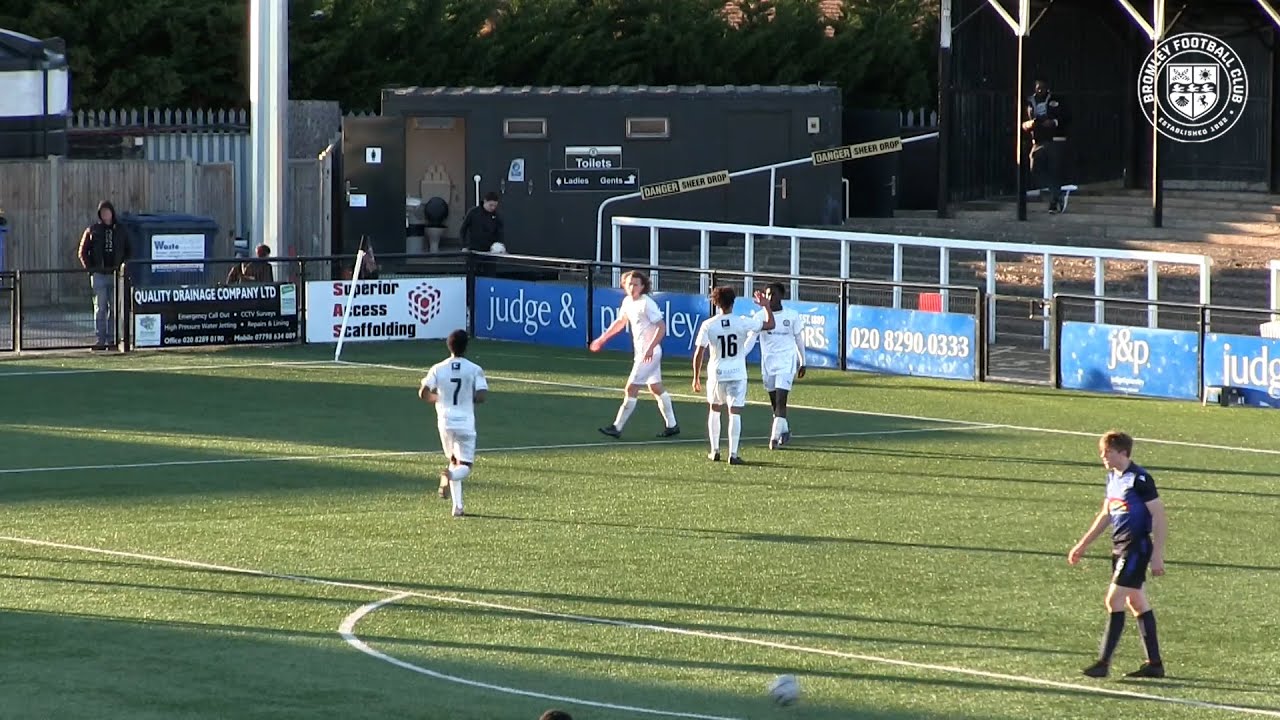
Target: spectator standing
482,227
104,247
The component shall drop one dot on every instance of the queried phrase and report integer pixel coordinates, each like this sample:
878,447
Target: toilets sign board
593,157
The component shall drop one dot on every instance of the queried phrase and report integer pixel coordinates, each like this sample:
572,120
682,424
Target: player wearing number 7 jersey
456,386
723,336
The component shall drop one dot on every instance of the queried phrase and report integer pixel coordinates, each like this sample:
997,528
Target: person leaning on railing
253,271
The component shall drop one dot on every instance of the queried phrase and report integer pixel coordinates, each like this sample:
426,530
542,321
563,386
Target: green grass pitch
254,534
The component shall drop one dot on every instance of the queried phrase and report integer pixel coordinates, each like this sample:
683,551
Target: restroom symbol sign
373,155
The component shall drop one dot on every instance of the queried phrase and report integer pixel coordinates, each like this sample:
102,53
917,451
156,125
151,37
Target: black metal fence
33,318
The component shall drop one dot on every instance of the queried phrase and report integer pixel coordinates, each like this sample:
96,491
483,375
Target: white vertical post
617,254
653,256
269,98
1153,293
1048,298
844,260
1099,289
475,179
944,276
704,261
991,296
1275,287
748,262
795,266
773,192
897,275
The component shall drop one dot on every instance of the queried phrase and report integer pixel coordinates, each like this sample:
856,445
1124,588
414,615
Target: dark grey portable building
555,153
34,96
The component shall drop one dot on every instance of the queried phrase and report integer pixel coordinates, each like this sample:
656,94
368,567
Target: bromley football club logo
1193,87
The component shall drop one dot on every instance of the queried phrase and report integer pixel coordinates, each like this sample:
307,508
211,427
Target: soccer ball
785,690
498,248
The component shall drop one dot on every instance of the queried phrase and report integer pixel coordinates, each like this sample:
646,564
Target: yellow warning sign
853,152
683,185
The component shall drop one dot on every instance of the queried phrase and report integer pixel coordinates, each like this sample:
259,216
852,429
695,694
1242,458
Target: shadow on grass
795,539
73,667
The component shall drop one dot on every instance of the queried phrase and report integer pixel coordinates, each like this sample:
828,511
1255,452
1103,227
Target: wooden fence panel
49,202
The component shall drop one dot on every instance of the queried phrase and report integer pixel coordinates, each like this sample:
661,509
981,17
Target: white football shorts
459,445
727,392
779,375
646,373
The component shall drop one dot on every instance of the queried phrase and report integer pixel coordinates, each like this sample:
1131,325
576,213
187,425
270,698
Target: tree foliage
181,53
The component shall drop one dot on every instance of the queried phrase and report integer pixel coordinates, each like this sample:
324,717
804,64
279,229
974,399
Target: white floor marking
483,451
402,594
348,632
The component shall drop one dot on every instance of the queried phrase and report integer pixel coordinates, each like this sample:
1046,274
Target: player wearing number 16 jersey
724,337
456,386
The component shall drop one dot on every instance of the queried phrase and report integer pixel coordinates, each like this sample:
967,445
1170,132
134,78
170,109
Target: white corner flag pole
351,296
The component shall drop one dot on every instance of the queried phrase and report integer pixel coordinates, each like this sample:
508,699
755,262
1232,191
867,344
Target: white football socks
667,409
624,412
783,426
457,474
713,429
775,432
735,433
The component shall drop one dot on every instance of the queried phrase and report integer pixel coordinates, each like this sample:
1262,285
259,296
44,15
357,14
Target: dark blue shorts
1129,563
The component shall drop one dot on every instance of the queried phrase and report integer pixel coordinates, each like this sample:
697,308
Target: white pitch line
866,413
348,632
388,591
483,451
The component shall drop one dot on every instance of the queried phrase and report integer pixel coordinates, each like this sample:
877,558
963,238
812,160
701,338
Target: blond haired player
641,313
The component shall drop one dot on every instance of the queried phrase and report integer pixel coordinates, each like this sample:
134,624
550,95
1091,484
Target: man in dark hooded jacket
104,247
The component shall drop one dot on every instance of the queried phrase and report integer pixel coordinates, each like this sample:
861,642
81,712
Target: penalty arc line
586,619
347,631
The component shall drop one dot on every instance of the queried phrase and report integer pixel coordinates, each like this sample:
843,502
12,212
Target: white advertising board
427,308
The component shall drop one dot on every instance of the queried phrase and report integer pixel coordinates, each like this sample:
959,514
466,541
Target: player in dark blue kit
1136,514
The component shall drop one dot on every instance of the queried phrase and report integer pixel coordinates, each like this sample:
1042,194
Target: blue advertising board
683,314
1242,361
911,342
523,311
1130,360
820,324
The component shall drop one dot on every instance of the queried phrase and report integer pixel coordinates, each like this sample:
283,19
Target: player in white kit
456,386
641,313
723,336
781,360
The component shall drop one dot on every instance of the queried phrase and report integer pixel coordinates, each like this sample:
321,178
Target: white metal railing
945,247
1274,271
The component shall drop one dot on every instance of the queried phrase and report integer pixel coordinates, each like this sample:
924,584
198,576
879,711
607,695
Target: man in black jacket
1048,121
482,227
104,247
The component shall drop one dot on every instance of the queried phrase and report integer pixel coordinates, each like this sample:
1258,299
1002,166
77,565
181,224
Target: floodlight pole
269,98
